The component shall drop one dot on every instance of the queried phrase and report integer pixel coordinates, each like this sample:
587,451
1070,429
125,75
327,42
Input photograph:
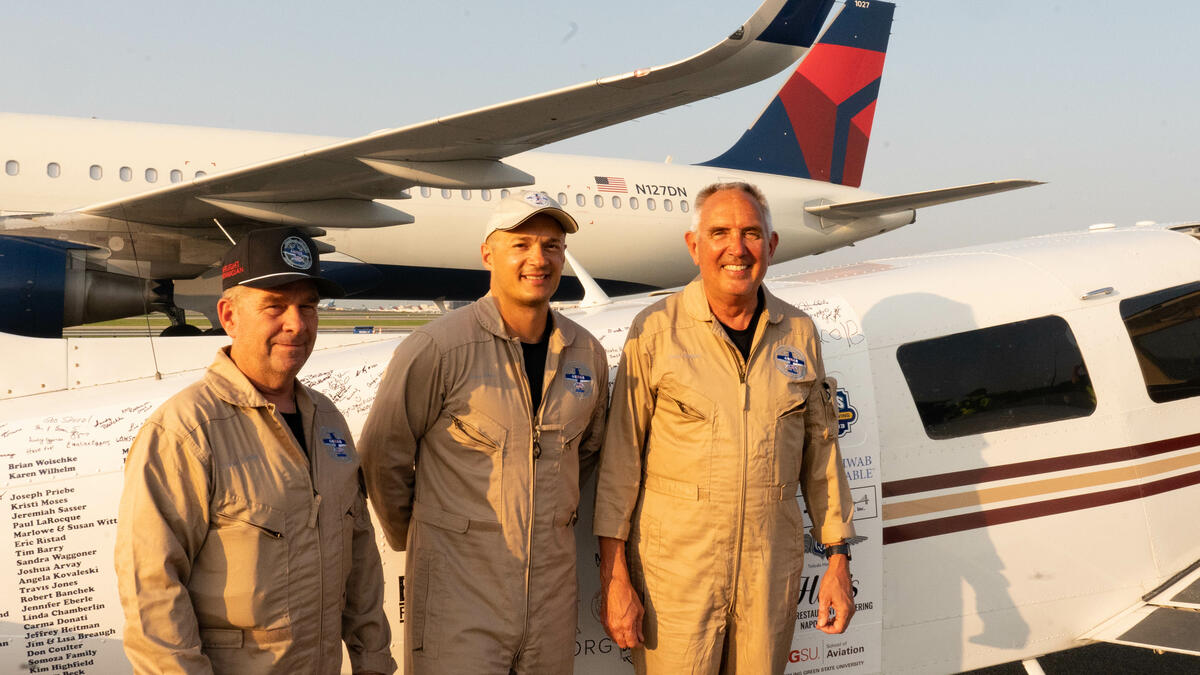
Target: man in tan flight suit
473,452
721,410
244,544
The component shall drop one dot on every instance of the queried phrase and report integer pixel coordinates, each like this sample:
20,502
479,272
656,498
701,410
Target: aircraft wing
914,200
1168,618
334,185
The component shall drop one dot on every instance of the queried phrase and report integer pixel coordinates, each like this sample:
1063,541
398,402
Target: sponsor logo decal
847,414
296,254
580,380
232,269
790,361
335,445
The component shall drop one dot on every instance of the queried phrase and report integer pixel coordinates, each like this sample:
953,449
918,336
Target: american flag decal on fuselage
610,184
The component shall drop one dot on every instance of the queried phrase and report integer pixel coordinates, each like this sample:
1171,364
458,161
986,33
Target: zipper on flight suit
314,506
741,365
518,359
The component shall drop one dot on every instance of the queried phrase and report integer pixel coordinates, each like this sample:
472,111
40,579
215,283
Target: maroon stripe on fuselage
908,486
969,521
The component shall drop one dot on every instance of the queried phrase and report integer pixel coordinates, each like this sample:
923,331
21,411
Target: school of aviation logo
580,380
538,199
335,445
295,253
790,361
847,414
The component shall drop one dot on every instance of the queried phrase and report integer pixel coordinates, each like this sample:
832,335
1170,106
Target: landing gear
179,325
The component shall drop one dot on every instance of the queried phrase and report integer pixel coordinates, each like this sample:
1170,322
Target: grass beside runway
328,321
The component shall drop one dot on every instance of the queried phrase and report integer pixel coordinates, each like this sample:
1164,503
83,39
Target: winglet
593,295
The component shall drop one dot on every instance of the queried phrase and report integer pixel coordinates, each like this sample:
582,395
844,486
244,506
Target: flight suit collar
487,312
695,302
233,387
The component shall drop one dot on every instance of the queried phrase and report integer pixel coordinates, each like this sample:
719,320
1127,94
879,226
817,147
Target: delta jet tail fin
819,123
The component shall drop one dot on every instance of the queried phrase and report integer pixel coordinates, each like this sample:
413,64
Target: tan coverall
490,487
235,556
702,458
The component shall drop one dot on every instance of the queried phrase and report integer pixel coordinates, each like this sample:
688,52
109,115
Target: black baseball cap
273,257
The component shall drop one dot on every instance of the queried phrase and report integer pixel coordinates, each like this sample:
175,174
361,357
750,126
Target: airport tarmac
1104,658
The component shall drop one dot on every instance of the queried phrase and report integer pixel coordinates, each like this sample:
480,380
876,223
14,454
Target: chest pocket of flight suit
681,433
791,409
240,577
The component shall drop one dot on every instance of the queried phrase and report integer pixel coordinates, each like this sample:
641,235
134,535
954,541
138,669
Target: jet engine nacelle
46,285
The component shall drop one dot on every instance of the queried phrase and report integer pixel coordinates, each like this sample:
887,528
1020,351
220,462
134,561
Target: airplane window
562,199
580,200
12,167
126,174
1001,377
425,191
1164,327
633,202
599,201
176,175
466,194
650,203
667,205
485,195
96,172
201,174
53,170
503,193
446,193
151,175
616,202
683,205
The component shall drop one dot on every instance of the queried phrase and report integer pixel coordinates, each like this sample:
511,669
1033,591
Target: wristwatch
834,549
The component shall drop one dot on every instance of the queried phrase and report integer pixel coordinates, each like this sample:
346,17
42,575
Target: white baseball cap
522,205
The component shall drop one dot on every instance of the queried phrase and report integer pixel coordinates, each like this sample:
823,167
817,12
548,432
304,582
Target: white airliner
1020,427
107,219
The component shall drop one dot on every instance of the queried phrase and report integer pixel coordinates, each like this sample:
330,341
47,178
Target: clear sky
1098,98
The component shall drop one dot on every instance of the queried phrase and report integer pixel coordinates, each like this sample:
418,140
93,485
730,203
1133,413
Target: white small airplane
1019,423
107,219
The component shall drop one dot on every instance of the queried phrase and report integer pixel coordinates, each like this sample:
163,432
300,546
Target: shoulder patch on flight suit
790,361
579,378
335,444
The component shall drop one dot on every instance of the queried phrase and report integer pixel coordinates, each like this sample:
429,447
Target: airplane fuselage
629,239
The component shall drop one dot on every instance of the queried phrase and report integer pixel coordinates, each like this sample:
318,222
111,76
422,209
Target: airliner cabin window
12,167
649,203
562,199
667,205
1002,377
503,193
598,201
1164,327
176,175
96,172
425,191
485,195
633,202
53,170
580,200
446,193
151,175
125,173
466,194
616,202
201,174
683,205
